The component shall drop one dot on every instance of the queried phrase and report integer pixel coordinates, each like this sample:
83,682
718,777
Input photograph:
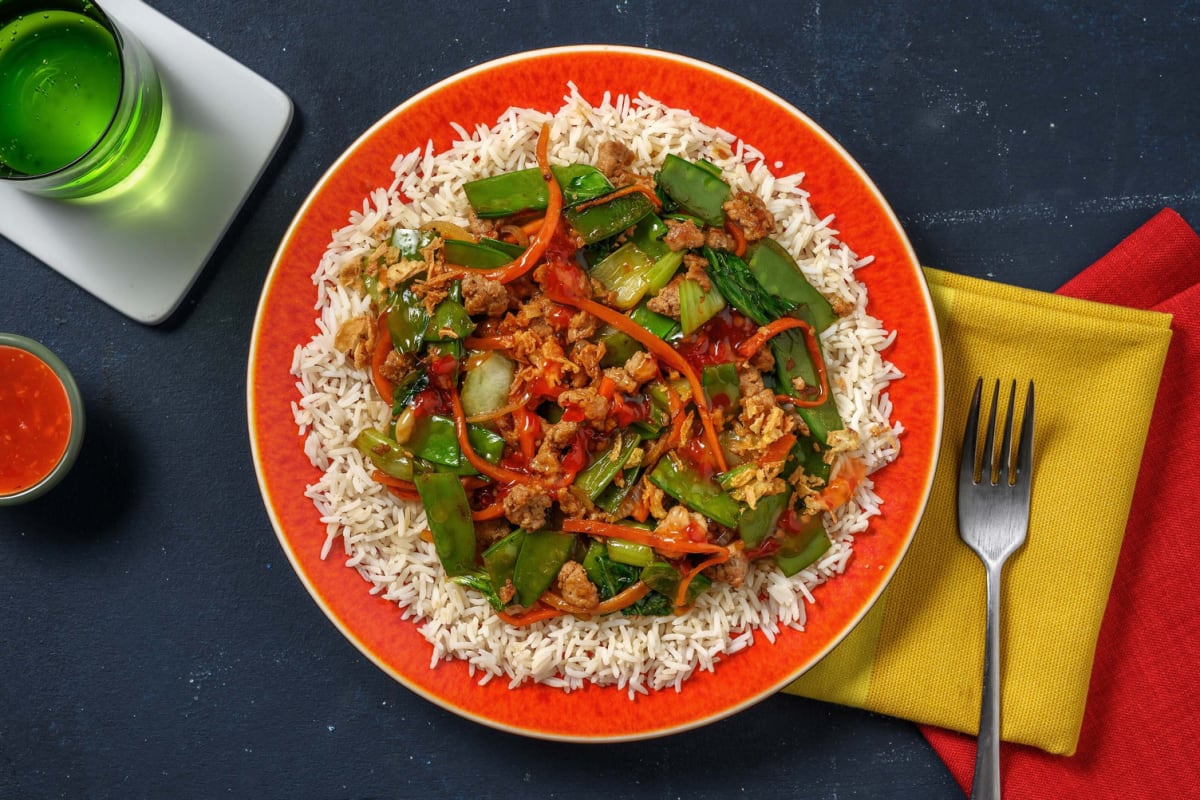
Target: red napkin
1142,720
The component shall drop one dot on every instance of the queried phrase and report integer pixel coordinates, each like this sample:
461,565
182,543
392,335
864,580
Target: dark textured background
153,639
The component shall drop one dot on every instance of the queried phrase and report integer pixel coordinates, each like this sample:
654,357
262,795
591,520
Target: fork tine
1025,446
966,463
1005,467
989,441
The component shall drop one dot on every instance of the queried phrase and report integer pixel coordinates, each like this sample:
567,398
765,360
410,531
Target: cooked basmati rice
379,536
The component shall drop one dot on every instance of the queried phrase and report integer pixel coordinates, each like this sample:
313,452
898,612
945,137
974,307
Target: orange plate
791,143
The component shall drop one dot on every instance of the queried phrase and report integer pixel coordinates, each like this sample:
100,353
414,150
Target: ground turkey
751,215
484,296
575,587
525,506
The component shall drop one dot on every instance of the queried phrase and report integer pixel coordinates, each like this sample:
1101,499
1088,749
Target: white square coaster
140,246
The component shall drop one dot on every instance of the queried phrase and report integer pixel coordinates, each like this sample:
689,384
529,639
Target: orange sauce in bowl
35,420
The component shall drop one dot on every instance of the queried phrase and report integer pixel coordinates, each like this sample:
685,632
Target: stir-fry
608,393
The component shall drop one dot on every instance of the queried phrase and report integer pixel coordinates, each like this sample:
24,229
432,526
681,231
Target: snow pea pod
524,190
542,555
757,523
802,548
484,254
780,275
792,361
433,439
411,241
450,322
385,454
697,190
600,473
603,221
699,493
720,382
407,320
500,559
449,515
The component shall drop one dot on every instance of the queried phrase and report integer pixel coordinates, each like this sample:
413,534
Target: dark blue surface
155,642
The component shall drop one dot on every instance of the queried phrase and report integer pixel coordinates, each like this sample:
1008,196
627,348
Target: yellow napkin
919,653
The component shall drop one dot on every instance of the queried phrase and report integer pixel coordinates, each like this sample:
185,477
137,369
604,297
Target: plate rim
938,380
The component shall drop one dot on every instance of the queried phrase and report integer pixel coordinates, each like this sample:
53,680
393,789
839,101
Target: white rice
379,536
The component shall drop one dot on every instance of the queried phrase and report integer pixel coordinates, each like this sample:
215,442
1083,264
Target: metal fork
993,519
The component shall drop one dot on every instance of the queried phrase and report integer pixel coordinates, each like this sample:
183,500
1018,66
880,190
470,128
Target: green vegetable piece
508,248
802,549
732,278
450,323
524,190
792,360
476,255
500,559
481,583
606,220
664,579
758,523
385,454
619,346
660,325
623,272
696,306
542,555
780,275
648,236
406,321
449,515
410,242
599,474
623,552
699,493
809,454
696,190
720,382
413,383
663,271
487,383
433,439
613,495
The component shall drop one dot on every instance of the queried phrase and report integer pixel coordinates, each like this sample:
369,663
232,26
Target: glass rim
110,25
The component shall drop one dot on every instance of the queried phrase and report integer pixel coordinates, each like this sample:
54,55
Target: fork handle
986,785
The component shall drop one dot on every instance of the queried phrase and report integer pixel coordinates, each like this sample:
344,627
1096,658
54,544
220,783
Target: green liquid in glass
60,81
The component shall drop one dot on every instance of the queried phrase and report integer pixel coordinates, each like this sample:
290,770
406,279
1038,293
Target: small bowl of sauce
41,419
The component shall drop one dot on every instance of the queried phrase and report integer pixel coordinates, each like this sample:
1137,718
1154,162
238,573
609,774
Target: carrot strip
494,511
527,429
750,346
383,346
498,474
529,617
532,227
686,579
664,352
739,237
537,247
611,530
622,599
488,342
633,188
379,476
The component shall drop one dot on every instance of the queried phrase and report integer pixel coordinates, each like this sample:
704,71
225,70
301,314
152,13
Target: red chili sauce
35,420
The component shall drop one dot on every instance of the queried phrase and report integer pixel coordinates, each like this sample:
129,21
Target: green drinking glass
80,98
